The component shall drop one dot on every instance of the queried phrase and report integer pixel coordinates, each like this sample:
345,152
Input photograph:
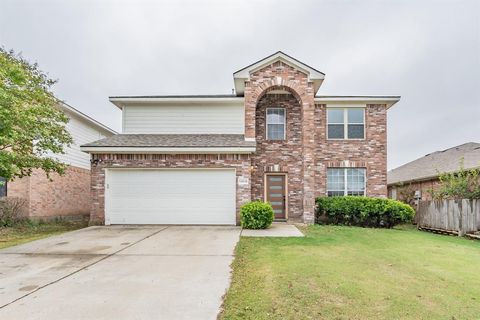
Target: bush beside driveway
355,273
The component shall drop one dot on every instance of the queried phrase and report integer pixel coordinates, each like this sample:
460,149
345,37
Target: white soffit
357,100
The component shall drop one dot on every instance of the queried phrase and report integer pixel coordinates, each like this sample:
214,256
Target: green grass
26,232
355,273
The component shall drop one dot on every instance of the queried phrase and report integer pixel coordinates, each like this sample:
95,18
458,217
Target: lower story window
345,182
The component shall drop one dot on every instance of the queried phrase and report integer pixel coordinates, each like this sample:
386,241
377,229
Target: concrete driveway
157,272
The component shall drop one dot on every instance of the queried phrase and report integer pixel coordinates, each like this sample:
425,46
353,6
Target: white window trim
345,182
284,123
345,123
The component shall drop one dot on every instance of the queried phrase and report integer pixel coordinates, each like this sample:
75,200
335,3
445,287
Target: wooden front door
276,194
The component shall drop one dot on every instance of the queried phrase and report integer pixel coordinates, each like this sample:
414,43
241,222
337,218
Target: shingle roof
173,140
440,161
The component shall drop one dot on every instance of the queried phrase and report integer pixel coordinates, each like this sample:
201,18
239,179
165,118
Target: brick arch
270,85
261,89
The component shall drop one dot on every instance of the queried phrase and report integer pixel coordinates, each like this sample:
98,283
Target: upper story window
275,123
345,182
346,123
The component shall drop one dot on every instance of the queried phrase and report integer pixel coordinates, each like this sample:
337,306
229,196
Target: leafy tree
406,193
32,126
462,184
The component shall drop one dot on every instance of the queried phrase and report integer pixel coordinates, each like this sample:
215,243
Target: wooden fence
454,216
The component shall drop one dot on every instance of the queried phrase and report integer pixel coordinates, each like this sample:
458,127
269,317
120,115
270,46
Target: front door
276,194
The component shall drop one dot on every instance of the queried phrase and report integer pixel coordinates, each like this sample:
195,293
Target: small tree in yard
406,193
462,184
31,124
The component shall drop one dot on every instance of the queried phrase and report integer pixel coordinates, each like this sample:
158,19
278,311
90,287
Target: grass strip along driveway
26,232
355,273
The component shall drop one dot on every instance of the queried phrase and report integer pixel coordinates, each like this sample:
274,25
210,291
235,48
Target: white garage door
170,196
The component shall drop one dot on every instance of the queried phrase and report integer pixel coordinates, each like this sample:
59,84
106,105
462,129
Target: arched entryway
277,173
291,160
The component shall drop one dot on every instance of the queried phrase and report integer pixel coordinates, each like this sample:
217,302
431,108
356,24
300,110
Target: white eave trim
86,118
123,101
169,150
388,100
279,56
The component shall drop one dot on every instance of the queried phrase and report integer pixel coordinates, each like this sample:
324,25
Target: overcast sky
426,51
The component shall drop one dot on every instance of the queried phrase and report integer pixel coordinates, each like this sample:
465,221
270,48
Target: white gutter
388,100
169,150
122,101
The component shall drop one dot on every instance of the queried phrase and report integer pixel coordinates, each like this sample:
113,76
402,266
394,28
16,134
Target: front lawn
26,232
355,273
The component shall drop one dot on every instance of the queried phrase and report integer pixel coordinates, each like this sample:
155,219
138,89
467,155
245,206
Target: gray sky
426,51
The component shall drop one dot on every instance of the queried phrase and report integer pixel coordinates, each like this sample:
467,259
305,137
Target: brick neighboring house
68,195
416,178
197,159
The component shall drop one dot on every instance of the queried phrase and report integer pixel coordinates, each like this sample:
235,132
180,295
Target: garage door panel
185,196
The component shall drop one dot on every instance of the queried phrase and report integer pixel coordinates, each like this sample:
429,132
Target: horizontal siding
184,119
82,132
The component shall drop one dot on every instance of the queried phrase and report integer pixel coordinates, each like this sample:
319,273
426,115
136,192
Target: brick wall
370,153
288,153
67,195
281,76
424,186
241,163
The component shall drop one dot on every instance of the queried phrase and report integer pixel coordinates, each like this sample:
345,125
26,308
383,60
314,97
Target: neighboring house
197,159
68,195
421,176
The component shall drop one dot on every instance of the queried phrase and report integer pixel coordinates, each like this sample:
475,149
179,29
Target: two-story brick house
197,159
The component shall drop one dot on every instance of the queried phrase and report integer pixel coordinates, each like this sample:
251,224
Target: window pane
355,131
281,115
355,115
336,180
335,193
275,187
275,132
355,193
336,131
335,115
356,181
274,179
275,116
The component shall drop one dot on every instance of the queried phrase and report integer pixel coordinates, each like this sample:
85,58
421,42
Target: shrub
362,211
256,215
11,211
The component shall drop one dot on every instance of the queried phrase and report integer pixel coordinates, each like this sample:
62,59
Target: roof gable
244,74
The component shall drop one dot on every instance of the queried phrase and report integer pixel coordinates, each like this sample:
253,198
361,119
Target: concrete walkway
277,229
156,272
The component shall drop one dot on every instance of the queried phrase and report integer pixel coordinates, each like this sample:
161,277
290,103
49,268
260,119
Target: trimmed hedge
362,211
256,215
